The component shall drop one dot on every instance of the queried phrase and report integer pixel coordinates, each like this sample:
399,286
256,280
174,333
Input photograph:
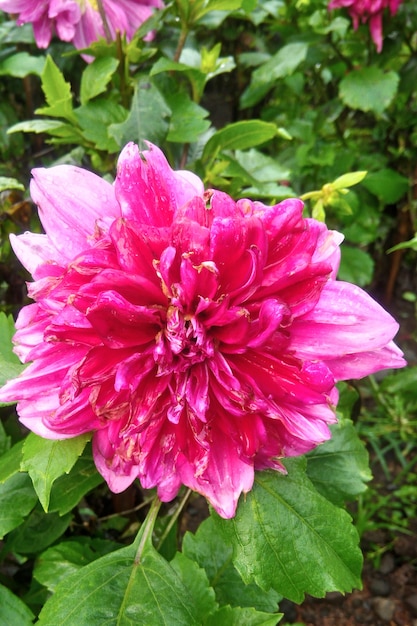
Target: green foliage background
266,100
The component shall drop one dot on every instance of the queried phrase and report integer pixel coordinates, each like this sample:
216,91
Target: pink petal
347,322
63,194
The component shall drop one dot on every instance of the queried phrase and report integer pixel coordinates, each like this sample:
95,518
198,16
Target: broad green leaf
10,32
10,183
47,459
287,536
196,581
123,589
282,64
10,365
17,499
57,92
269,190
21,64
356,266
369,89
12,610
96,117
38,531
10,461
148,117
68,557
68,489
343,458
188,119
237,616
96,77
261,167
209,549
387,185
239,136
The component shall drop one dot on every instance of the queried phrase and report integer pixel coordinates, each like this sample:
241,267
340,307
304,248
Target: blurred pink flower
197,337
79,21
362,11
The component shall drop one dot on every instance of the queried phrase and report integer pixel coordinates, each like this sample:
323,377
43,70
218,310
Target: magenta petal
148,190
225,477
117,480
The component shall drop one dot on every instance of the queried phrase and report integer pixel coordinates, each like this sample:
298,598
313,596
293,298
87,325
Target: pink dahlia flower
198,338
79,21
362,11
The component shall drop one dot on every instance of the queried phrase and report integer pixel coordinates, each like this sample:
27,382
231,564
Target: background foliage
266,100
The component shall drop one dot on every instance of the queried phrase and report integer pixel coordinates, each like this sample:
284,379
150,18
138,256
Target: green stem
147,528
123,71
181,44
174,518
102,12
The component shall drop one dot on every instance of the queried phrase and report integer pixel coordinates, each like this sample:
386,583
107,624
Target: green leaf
17,499
387,185
37,532
68,490
57,93
401,382
209,549
239,136
282,64
5,440
13,610
411,243
96,77
39,126
21,64
68,557
10,183
46,460
95,119
348,180
217,5
345,459
369,89
193,72
269,190
148,117
196,581
261,167
188,119
10,461
356,266
10,365
125,589
237,616
287,536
